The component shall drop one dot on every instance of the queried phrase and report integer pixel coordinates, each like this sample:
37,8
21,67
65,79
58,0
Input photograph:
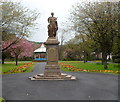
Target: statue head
52,14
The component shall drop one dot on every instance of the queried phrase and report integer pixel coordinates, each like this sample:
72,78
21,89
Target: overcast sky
45,7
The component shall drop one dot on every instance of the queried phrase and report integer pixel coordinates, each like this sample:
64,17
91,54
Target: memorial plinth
52,69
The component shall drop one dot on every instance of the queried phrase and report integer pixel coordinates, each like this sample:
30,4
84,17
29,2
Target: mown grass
1,99
9,65
91,66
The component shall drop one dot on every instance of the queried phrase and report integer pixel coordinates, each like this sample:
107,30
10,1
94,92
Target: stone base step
46,79
64,74
53,77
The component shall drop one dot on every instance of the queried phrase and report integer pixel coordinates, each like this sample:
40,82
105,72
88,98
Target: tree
21,49
17,21
116,50
62,40
63,36
99,21
5,54
78,48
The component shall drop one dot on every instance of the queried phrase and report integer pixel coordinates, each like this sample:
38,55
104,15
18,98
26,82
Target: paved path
88,86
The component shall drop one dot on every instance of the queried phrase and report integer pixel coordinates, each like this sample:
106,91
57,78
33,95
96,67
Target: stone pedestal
52,69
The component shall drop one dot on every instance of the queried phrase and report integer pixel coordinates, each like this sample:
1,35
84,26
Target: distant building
40,53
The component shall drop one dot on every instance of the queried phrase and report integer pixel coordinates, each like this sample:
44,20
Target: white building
40,53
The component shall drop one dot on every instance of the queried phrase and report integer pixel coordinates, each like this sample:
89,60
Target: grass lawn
7,66
90,65
1,99
10,65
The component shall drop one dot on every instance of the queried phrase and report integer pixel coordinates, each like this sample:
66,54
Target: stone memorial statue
53,26
52,68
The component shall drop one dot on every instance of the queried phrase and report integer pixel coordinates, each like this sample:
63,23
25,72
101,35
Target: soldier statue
53,26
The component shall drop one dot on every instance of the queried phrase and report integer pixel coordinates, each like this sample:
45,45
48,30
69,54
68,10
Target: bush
26,59
116,59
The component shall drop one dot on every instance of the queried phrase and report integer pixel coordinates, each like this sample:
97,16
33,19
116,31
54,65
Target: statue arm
56,25
48,20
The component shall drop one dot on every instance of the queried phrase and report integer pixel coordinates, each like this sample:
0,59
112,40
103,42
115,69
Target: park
77,59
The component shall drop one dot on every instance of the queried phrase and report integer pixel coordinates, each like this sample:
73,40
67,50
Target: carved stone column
52,67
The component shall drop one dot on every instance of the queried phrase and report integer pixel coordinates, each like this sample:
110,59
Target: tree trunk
16,59
85,57
84,61
104,59
97,55
105,65
109,57
60,54
3,60
3,57
60,50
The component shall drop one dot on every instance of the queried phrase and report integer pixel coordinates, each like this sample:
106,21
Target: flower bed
19,69
75,69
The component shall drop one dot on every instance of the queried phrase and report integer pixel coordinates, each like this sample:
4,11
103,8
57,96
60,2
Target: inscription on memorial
52,54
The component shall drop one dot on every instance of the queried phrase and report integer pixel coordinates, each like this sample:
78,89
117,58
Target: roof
41,49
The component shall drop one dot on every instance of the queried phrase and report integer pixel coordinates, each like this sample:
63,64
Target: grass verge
89,67
1,99
23,66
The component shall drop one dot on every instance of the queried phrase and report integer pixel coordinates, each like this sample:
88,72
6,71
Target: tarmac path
88,86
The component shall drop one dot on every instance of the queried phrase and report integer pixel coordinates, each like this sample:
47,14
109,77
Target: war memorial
52,69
